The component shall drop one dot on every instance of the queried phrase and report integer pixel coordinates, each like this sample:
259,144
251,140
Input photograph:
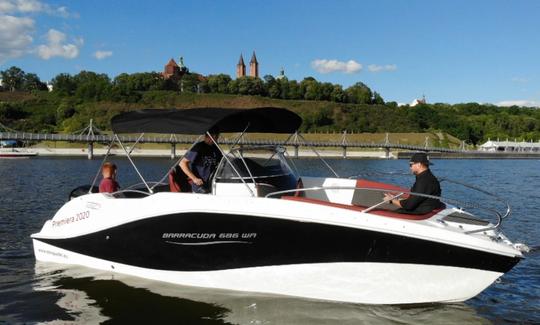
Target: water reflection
88,296
91,296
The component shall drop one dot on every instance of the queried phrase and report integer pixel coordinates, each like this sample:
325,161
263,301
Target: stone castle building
173,70
253,67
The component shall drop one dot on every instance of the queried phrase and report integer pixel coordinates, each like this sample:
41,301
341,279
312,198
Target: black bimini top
200,120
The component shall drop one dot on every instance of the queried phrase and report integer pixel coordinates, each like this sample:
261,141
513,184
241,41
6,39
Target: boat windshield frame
250,166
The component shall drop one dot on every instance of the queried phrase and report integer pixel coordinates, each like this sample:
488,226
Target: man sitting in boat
200,162
426,183
108,184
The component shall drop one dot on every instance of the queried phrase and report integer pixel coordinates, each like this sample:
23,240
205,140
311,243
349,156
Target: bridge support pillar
387,153
296,151
173,151
90,150
344,152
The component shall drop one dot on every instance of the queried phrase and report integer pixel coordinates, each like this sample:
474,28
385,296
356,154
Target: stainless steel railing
454,202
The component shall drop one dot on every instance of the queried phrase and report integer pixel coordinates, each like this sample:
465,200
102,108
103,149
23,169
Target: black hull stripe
180,242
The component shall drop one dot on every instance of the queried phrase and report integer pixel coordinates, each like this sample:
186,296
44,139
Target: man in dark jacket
425,183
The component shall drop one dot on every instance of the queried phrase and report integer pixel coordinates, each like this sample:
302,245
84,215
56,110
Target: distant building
173,70
253,66
281,74
240,68
510,146
418,101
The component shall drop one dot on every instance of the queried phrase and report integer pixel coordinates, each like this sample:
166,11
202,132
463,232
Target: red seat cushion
384,213
370,184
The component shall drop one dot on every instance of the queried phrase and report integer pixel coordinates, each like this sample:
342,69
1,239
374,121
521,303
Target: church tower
253,66
240,68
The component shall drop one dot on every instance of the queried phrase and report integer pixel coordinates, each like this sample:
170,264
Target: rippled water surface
32,190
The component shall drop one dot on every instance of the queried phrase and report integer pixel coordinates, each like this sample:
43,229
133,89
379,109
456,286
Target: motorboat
265,228
8,149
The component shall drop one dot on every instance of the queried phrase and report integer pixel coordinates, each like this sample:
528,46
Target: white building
510,146
418,101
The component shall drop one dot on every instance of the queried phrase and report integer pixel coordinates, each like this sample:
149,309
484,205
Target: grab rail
445,179
461,204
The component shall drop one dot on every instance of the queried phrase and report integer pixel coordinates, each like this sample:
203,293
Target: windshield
266,167
254,163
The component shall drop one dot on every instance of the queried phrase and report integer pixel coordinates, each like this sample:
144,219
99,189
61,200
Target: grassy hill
444,125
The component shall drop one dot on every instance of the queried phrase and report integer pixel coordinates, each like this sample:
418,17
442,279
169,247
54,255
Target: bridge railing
92,138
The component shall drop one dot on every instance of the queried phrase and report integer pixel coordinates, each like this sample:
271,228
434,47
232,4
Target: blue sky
451,51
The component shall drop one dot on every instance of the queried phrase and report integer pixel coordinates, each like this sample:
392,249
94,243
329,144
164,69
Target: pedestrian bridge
296,142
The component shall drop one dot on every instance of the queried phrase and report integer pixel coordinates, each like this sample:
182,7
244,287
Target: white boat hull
366,283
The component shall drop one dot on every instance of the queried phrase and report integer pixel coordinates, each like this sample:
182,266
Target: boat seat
372,197
178,180
379,212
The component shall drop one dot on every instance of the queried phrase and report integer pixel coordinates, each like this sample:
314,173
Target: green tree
284,88
337,95
359,93
325,90
13,78
32,83
377,99
233,87
219,83
92,86
271,86
311,89
250,86
189,82
11,111
294,90
64,84
392,104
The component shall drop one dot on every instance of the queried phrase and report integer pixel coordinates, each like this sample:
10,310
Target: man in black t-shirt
200,162
426,183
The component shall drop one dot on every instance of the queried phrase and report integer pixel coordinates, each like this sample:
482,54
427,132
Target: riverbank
474,155
328,153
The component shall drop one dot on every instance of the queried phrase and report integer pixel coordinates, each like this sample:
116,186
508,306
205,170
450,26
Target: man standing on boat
200,162
426,183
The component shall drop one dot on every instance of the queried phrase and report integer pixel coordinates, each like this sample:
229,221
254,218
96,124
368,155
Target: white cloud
526,103
100,55
15,36
329,66
381,68
22,6
17,28
33,6
55,46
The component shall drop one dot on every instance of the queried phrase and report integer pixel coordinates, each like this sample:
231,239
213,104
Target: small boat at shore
267,228
9,149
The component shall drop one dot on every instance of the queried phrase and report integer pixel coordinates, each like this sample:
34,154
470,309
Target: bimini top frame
199,121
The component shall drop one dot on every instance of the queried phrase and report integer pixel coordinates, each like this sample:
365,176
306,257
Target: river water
32,190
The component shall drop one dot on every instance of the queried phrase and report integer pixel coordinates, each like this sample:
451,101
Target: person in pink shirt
108,183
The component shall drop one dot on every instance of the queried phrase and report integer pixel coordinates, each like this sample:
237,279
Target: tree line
125,87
